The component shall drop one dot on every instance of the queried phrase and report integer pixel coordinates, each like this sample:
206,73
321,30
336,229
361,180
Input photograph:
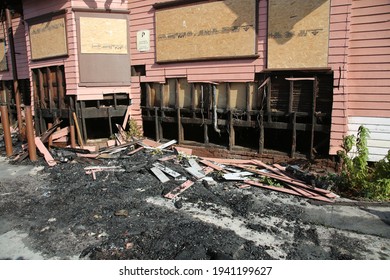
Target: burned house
249,75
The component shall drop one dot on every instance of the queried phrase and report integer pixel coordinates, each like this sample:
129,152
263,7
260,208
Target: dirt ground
62,213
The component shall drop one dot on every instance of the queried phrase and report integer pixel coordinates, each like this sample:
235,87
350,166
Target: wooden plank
196,173
159,174
48,157
175,192
194,164
167,170
212,165
136,151
284,190
166,145
183,150
60,133
126,118
150,143
239,176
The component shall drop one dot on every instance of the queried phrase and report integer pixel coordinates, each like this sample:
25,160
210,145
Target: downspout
215,117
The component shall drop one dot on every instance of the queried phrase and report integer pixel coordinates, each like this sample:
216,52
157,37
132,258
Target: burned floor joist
244,114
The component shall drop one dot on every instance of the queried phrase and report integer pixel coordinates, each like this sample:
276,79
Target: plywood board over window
298,34
103,44
3,56
206,30
48,37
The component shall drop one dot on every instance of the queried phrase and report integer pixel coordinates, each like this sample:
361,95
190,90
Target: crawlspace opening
246,137
193,132
169,131
100,128
221,138
149,129
277,139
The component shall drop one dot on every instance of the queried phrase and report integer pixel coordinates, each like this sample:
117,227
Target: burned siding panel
338,52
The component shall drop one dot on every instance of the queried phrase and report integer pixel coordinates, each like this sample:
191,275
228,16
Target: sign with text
207,30
48,39
143,40
298,34
103,35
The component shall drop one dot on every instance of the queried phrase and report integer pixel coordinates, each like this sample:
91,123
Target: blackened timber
261,131
60,88
49,83
82,115
41,89
206,133
228,97
156,123
291,97
109,120
314,119
231,131
269,110
248,101
241,123
161,92
193,99
294,134
180,131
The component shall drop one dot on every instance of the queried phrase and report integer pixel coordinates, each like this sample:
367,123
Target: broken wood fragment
175,192
194,172
194,164
135,151
182,150
167,170
212,165
166,145
159,174
60,133
149,143
48,157
167,158
240,176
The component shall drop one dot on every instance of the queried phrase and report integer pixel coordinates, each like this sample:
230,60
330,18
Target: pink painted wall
20,50
34,8
369,59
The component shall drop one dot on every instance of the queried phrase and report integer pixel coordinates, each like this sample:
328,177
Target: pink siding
35,8
338,52
20,50
241,70
369,59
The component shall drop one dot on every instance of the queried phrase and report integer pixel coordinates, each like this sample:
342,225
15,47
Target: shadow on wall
93,5
289,13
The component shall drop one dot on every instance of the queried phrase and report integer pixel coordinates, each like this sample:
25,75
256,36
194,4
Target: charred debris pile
175,166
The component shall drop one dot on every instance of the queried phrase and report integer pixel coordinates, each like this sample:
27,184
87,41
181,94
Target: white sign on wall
143,40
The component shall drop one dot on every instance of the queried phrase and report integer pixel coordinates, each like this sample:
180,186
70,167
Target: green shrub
357,178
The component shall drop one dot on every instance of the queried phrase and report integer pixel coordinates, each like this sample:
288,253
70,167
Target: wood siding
20,50
340,18
241,70
379,140
369,73
35,8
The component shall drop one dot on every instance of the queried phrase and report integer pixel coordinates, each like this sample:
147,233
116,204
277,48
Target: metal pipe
32,150
7,130
215,117
11,46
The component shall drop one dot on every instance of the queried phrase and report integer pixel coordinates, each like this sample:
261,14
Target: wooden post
291,97
50,140
161,92
109,120
314,118
41,90
11,47
248,102
231,131
261,136
82,109
156,123
228,97
49,82
294,133
180,131
78,130
269,101
6,129
72,130
206,133
193,100
32,149
60,87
